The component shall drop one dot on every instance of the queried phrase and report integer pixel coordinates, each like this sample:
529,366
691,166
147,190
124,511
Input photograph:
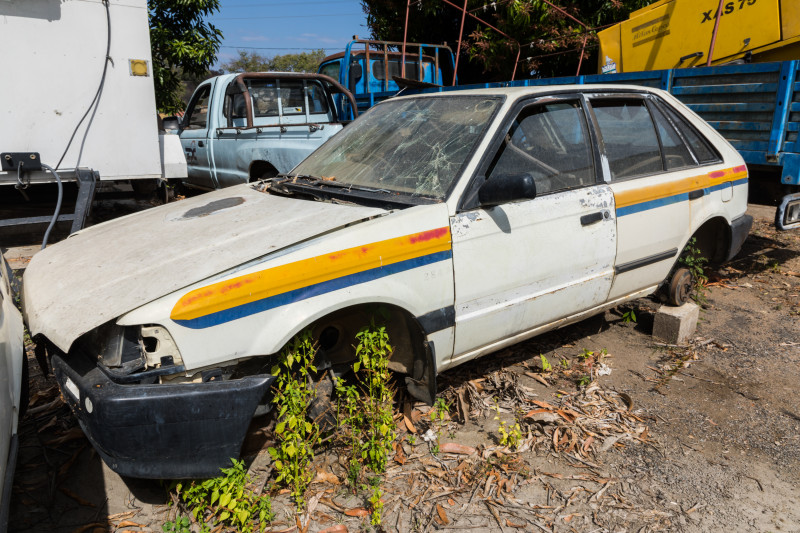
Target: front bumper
160,431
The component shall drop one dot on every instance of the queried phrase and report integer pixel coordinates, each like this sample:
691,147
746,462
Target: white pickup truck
245,127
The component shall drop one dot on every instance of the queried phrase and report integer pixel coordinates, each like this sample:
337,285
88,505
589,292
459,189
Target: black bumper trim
438,320
645,261
740,228
161,431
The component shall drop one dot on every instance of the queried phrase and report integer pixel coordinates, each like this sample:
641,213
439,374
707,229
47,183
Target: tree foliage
255,62
183,45
549,42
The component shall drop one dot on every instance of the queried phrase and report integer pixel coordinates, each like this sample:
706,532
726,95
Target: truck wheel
680,286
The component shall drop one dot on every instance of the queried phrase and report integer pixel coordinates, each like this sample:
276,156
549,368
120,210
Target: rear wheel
680,286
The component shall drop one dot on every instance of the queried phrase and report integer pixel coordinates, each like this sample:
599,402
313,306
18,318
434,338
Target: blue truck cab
245,127
371,71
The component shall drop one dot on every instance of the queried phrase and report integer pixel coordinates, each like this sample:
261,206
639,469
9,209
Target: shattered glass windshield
412,146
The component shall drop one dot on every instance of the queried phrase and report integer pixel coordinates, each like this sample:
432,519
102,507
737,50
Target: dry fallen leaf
326,477
442,514
358,511
77,498
339,528
455,448
409,425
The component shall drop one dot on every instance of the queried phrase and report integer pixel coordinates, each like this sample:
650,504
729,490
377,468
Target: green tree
183,45
247,62
255,62
305,62
550,39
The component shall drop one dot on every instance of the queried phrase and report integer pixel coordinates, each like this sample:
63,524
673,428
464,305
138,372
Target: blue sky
272,27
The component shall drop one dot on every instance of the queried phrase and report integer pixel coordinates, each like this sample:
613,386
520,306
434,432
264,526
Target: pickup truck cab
373,72
245,127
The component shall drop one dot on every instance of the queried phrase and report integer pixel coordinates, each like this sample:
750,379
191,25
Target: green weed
546,366
692,258
226,500
295,433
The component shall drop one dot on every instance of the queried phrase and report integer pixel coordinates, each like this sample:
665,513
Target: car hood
110,269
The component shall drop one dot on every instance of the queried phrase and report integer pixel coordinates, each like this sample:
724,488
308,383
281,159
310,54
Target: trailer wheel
680,286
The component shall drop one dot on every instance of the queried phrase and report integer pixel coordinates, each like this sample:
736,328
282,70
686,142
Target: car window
331,69
198,112
676,154
550,142
701,148
629,137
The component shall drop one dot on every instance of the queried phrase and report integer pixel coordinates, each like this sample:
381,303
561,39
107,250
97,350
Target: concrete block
676,325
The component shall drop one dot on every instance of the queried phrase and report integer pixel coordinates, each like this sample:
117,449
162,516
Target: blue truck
755,106
372,72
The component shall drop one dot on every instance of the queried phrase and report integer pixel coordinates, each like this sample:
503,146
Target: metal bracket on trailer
87,185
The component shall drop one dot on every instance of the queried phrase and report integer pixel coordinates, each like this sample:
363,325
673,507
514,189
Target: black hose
58,205
96,100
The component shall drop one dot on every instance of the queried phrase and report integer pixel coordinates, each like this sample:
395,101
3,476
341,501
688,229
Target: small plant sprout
584,381
564,363
376,503
295,433
585,354
629,316
546,367
510,436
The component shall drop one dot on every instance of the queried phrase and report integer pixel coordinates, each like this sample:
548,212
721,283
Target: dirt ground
704,437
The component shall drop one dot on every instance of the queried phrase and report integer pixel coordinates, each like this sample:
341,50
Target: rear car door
653,174
529,263
194,137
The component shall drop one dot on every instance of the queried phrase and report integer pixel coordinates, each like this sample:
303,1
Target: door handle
592,218
200,144
694,195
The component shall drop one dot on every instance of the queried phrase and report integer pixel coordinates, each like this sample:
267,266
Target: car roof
517,92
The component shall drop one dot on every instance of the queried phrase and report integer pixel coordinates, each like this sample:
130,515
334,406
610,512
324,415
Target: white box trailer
55,56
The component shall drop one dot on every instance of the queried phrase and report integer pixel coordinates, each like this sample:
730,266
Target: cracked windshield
414,146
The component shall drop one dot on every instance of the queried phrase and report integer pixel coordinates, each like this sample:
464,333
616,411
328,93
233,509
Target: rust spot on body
428,235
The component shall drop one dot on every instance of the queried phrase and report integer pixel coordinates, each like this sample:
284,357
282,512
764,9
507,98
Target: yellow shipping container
677,33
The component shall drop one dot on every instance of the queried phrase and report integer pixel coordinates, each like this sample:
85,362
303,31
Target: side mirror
171,124
506,188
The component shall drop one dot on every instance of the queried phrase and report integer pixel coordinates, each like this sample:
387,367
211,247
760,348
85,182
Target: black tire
680,287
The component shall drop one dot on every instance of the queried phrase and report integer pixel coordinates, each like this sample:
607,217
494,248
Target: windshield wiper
315,180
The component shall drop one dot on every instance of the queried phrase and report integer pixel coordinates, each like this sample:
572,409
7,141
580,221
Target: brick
676,325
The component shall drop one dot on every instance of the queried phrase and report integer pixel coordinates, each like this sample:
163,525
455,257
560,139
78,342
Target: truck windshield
412,146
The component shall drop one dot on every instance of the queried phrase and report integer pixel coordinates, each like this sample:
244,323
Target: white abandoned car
474,219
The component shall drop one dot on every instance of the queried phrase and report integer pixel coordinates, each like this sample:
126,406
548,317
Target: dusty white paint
112,268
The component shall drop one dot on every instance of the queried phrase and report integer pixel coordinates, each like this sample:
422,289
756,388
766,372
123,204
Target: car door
195,140
526,264
652,172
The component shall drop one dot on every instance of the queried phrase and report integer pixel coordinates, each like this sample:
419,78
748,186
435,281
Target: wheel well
713,240
411,354
260,170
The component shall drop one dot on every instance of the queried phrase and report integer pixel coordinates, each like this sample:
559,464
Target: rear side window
549,142
629,136
286,97
676,154
701,147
